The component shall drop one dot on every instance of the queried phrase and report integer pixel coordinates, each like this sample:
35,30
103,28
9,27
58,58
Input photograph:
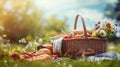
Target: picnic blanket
105,56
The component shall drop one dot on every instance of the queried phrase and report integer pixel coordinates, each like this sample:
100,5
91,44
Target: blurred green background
21,19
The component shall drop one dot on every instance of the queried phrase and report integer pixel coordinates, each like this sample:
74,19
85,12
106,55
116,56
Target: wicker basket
76,47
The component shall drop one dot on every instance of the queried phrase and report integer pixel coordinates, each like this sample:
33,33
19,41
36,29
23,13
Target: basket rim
89,38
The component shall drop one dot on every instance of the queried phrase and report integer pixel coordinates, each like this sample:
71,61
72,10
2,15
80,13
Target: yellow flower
110,28
19,49
13,50
94,34
10,53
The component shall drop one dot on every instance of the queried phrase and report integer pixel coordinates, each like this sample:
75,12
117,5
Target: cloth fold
57,45
105,56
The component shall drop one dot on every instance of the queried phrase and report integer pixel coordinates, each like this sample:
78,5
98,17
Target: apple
67,36
89,35
77,36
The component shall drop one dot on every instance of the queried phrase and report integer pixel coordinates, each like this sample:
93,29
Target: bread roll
44,51
44,57
49,46
81,31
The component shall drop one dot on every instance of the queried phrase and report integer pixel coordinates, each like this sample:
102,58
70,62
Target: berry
55,57
26,56
15,56
57,53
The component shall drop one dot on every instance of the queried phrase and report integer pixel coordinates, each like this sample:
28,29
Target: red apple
67,36
89,35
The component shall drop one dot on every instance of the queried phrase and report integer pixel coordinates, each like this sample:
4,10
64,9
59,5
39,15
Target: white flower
23,40
4,35
8,44
102,33
36,43
40,40
1,38
28,45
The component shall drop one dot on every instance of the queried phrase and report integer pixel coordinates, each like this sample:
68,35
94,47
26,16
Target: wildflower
99,22
40,40
19,49
115,24
1,38
29,45
94,34
110,28
108,24
13,50
36,43
5,61
23,40
8,44
9,52
4,35
102,33
97,27
103,30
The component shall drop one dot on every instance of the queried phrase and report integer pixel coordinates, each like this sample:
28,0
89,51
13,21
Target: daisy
102,33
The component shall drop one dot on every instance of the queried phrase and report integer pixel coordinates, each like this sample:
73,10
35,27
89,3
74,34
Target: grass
63,63
113,48
8,62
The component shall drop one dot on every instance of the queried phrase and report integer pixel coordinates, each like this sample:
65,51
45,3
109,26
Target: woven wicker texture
75,47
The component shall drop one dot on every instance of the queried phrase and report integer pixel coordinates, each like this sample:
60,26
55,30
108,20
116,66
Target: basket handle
83,22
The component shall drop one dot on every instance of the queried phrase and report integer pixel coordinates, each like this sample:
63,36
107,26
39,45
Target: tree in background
20,18
117,11
53,23
112,11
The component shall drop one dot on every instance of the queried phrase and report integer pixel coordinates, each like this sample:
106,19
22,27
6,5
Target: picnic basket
76,47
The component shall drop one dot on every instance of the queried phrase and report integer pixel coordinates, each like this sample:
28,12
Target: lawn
7,61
